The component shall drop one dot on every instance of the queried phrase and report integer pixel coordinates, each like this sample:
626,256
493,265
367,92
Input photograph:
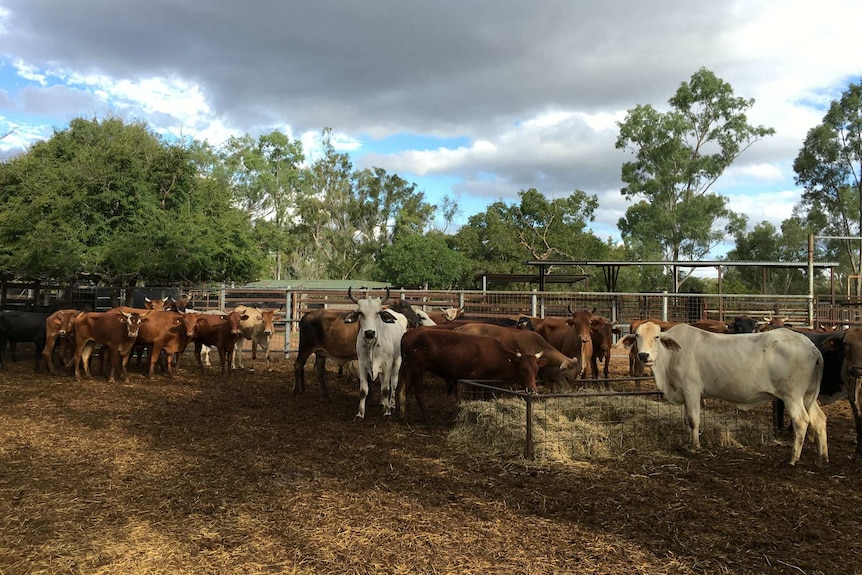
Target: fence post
288,316
528,442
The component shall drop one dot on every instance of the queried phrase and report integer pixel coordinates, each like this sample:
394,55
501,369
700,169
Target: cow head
648,338
369,313
190,320
525,322
268,316
132,321
155,304
64,321
424,318
452,313
404,308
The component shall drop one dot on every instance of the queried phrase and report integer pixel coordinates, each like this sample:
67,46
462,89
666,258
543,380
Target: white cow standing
743,369
378,348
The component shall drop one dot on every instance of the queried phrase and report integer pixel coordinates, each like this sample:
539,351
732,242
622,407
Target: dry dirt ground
201,474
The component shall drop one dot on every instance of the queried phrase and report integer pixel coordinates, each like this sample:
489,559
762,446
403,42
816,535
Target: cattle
259,329
59,328
378,348
746,370
219,330
571,336
602,333
116,331
743,324
559,369
23,327
453,356
711,325
155,304
424,318
842,358
851,375
163,331
323,333
404,308
446,315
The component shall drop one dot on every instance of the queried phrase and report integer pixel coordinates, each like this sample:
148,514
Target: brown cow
115,331
216,330
559,368
323,333
155,304
602,333
453,356
446,315
60,327
571,336
163,331
259,329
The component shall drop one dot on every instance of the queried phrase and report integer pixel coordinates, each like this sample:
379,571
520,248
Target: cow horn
387,296
350,295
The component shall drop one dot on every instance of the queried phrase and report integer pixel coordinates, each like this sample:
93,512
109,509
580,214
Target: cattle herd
743,362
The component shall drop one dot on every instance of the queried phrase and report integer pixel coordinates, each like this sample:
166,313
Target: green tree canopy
419,260
115,200
679,154
505,236
829,167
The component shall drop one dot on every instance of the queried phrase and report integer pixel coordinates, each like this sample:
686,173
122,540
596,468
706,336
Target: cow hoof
250,370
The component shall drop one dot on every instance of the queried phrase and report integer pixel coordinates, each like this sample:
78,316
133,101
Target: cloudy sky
472,99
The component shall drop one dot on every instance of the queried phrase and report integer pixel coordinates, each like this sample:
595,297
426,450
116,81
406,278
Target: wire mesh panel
582,426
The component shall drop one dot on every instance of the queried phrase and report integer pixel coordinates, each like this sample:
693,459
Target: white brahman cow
378,348
746,370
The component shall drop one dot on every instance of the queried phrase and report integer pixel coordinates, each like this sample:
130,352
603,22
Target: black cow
833,385
23,327
743,324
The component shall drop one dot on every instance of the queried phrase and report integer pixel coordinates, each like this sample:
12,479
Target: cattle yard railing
620,308
593,424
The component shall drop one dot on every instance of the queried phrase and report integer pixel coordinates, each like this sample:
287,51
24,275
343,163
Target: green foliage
418,260
505,236
829,167
114,200
679,154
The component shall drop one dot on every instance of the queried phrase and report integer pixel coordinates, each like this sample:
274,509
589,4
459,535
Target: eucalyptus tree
829,168
678,155
266,176
505,236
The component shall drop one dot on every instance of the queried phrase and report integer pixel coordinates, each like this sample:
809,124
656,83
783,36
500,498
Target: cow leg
48,353
237,354
266,343
818,425
692,418
392,376
800,420
777,416
320,370
198,347
299,373
363,391
854,394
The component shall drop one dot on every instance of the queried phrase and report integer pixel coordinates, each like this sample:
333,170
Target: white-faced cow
259,329
378,348
746,370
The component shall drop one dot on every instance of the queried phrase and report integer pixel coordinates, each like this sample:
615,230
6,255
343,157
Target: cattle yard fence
620,308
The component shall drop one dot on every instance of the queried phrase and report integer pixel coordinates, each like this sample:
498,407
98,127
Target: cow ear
626,342
387,317
244,317
670,343
351,317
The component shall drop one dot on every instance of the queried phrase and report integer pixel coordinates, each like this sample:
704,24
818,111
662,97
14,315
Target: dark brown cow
559,369
571,336
712,325
115,331
602,333
453,356
215,330
163,331
60,328
323,333
851,376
